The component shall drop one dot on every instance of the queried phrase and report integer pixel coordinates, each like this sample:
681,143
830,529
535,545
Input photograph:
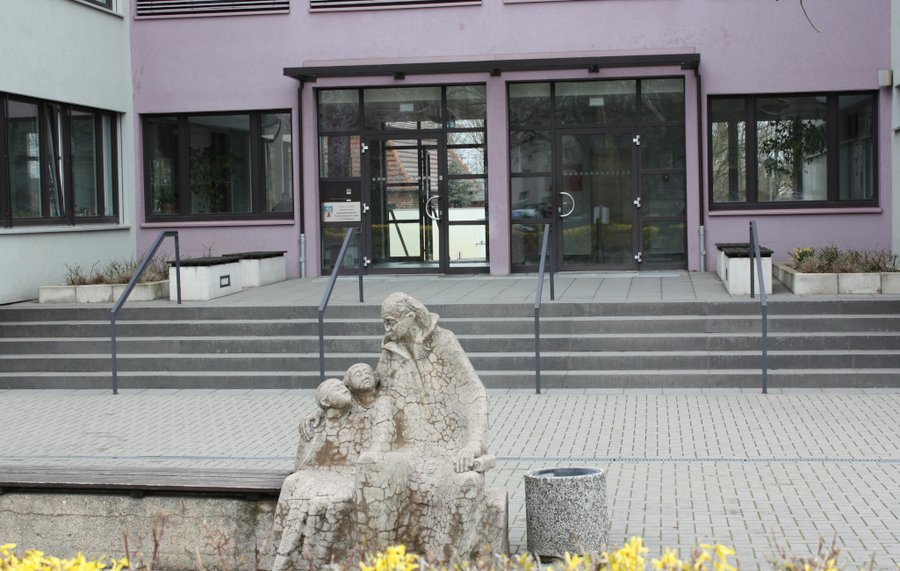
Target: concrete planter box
811,284
102,293
203,279
145,291
261,268
566,511
890,282
734,270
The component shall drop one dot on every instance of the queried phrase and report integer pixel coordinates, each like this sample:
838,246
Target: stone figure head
402,314
360,378
333,393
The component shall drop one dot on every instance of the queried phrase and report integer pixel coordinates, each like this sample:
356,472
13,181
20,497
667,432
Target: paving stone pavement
684,466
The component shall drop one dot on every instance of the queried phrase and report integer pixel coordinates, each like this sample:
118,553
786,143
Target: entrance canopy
495,67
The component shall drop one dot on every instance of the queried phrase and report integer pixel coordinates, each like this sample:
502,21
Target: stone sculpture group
395,455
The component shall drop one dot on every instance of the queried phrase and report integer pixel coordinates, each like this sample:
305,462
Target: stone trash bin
566,511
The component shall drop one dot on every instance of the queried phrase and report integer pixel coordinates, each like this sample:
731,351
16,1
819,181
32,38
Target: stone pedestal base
566,511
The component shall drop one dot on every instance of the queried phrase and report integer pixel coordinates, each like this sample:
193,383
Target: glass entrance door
404,193
597,204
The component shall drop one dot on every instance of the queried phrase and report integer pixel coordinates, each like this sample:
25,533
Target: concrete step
649,379
509,342
462,327
482,361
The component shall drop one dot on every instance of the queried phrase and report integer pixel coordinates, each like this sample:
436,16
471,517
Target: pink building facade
640,132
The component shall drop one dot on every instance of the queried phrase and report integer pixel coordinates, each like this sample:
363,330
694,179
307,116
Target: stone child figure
315,515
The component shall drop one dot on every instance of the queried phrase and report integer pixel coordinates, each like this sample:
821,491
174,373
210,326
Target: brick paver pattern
684,466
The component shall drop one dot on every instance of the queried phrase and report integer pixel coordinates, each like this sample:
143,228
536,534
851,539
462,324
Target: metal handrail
117,307
326,296
539,292
764,306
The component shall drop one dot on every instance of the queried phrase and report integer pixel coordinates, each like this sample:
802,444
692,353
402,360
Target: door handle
571,210
433,213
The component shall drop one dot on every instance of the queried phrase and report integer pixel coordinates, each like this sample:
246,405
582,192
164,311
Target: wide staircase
828,343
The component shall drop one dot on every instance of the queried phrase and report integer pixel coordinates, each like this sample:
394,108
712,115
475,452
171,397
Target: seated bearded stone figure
314,517
420,481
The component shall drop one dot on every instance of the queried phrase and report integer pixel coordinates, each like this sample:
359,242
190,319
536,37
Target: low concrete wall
62,524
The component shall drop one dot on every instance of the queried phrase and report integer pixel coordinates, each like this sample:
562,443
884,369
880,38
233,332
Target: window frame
61,133
751,161
182,170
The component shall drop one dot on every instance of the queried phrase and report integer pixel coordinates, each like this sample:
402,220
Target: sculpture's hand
465,458
309,424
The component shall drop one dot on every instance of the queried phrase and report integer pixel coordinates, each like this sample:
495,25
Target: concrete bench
733,267
203,279
261,268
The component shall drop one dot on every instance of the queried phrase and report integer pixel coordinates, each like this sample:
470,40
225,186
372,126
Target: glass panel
728,149
467,243
530,105
467,194
531,197
109,164
596,102
664,242
663,195
856,142
84,162
404,185
338,110
529,151
220,163
792,154
24,142
275,134
596,199
332,240
466,158
402,108
465,106
339,156
525,244
662,147
662,99
161,144
53,158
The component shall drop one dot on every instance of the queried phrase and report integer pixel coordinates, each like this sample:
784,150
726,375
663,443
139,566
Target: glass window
24,141
662,147
596,102
277,167
466,106
856,147
338,109
530,151
662,99
402,108
790,140
728,145
532,197
209,165
793,138
339,156
84,163
160,147
61,162
530,105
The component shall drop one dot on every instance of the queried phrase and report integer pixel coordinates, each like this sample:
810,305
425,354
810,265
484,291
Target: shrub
832,260
35,560
117,272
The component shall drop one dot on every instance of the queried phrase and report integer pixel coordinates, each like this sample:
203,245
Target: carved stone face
360,378
334,394
396,327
